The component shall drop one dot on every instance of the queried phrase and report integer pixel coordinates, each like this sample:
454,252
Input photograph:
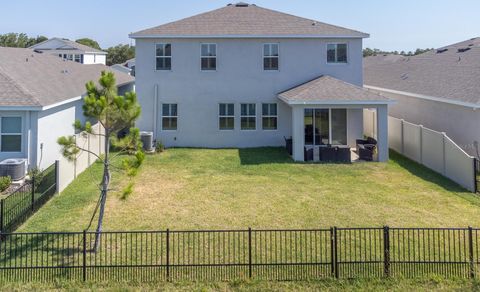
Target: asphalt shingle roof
326,89
449,74
28,78
247,21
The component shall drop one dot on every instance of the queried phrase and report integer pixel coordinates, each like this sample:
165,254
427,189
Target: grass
261,188
430,284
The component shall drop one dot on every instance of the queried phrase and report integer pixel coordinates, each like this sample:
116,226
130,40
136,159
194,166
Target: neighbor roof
34,79
247,20
451,73
68,45
328,90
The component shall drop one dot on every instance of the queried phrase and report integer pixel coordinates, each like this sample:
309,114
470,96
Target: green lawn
433,284
262,188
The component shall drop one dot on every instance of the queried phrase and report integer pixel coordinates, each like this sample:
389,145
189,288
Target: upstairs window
163,56
209,57
248,116
270,57
337,53
269,116
11,134
169,116
226,116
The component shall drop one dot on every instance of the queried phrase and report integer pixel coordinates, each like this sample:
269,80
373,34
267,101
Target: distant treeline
116,55
373,52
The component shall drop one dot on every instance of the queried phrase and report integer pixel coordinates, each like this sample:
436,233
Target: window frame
336,53
170,116
12,134
164,56
248,115
270,56
226,115
208,57
270,116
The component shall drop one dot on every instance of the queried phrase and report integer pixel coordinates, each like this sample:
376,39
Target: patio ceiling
328,90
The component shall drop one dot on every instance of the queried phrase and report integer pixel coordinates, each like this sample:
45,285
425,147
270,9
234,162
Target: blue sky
393,25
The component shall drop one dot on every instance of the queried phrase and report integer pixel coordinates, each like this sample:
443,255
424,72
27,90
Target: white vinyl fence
69,170
433,149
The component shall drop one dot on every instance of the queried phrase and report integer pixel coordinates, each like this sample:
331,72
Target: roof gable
244,20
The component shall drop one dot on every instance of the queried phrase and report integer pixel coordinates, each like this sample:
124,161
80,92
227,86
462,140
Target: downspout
155,109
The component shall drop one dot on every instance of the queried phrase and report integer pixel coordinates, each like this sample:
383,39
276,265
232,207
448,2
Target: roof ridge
19,86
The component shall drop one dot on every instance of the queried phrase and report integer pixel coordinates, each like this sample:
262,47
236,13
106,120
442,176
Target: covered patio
327,119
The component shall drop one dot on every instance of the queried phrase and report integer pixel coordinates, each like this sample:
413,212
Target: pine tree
114,113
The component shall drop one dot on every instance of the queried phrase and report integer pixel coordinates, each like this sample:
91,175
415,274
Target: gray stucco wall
461,124
239,78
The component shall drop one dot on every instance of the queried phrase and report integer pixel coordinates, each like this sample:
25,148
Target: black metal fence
28,198
241,254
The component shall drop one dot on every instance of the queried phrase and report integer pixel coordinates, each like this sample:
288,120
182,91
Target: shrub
127,191
159,147
5,182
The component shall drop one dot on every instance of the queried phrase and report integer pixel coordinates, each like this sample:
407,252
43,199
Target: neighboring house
439,89
246,76
72,51
40,98
127,67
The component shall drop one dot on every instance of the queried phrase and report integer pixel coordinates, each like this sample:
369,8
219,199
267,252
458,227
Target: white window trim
329,125
209,57
336,44
226,116
248,116
12,134
263,57
169,116
156,57
270,116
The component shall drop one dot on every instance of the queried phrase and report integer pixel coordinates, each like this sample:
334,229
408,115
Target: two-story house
72,51
246,76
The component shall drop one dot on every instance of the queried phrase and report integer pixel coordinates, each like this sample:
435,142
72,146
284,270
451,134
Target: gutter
336,102
474,106
233,36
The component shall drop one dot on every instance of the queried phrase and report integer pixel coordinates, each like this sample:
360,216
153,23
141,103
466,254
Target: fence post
386,251
335,247
84,260
444,157
470,251
168,254
33,192
332,251
421,144
2,209
402,136
57,176
475,182
249,252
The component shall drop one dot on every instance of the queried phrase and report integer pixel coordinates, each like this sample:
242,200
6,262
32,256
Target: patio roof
328,90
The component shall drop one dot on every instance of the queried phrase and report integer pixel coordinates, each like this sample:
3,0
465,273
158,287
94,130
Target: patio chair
343,154
366,151
308,154
288,145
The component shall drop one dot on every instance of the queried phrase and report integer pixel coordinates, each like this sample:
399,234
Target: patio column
382,132
297,133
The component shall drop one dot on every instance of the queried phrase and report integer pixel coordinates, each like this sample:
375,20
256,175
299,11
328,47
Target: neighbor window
226,116
11,135
337,53
163,56
270,57
248,116
79,58
209,57
68,57
169,116
269,116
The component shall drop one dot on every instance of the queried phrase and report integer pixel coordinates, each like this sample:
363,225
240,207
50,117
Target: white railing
433,149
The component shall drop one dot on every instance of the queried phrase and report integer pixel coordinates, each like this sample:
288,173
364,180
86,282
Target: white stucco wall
239,78
461,124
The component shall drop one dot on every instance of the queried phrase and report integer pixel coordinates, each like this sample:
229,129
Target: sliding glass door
325,126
